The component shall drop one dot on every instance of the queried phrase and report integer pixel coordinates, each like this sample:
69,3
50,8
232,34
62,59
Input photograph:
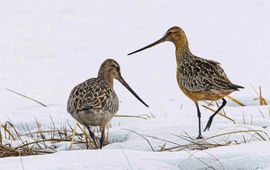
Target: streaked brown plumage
199,79
94,102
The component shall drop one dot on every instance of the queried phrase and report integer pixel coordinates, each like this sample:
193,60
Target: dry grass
260,97
192,146
142,116
224,139
13,143
41,141
235,101
221,139
27,97
46,141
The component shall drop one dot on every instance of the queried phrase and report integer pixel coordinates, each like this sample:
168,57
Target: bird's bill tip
131,90
131,53
148,46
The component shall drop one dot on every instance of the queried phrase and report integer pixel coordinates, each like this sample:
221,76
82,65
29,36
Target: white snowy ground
48,47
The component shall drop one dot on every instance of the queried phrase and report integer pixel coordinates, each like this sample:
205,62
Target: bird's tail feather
234,86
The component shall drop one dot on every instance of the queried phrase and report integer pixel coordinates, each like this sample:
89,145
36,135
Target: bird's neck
181,46
182,51
107,77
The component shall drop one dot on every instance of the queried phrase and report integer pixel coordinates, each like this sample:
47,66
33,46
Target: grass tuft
38,142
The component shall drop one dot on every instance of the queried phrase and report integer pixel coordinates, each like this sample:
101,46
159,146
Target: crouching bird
94,102
199,79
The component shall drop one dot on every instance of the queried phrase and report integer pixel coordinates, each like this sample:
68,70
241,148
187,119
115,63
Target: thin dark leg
101,140
199,118
212,117
92,136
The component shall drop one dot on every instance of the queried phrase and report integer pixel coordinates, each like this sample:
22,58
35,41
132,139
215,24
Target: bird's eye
115,67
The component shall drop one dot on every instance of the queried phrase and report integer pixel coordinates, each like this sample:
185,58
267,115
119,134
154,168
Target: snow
48,47
232,157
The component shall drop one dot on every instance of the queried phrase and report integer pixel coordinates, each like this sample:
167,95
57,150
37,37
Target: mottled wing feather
93,94
199,75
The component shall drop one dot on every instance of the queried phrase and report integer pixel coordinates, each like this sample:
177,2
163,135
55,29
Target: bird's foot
207,127
200,136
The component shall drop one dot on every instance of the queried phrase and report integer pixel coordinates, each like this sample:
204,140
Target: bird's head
110,70
175,35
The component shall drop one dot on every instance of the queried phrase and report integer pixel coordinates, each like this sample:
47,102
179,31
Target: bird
200,79
94,101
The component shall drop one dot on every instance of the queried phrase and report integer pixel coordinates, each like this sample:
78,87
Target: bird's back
93,95
196,75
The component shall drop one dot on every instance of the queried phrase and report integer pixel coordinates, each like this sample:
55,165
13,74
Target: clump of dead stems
26,141
36,142
40,141
236,136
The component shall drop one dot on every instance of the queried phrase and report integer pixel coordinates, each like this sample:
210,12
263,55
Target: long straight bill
148,46
131,91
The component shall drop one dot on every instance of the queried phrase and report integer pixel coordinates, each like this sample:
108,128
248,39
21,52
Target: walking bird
199,79
94,102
